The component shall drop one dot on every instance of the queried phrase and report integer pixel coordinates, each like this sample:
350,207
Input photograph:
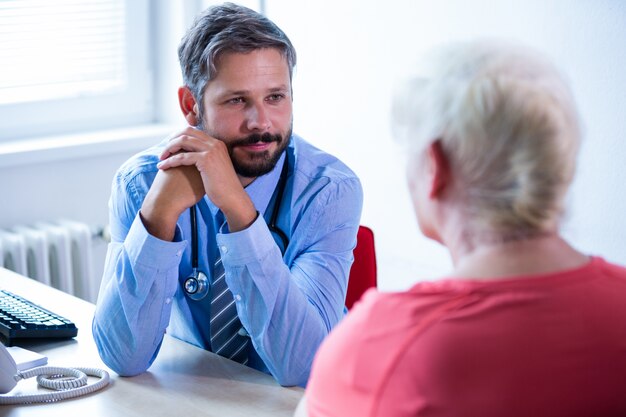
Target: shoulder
383,322
372,349
316,164
385,312
608,268
139,170
388,326
321,179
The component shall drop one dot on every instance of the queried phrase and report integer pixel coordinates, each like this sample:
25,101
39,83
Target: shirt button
224,248
238,297
180,252
168,300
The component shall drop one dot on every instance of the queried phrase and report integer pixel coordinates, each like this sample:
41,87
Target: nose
258,118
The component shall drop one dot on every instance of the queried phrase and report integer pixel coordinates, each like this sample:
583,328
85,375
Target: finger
183,143
188,133
179,159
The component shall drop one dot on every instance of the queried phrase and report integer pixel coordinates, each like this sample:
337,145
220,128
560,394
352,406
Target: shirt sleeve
138,285
289,310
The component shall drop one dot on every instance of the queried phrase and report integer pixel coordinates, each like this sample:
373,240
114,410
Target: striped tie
228,337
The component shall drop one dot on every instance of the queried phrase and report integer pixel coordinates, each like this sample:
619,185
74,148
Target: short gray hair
226,28
507,123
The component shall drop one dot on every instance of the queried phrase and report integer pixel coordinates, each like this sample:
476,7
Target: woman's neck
515,255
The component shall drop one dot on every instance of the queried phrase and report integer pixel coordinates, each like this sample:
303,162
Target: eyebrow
278,89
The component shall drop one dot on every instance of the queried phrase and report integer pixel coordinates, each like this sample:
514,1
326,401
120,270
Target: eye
235,100
275,97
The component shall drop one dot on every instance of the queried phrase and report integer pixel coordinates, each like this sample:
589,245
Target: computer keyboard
22,319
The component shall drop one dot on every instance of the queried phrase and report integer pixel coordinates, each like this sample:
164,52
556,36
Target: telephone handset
8,369
67,382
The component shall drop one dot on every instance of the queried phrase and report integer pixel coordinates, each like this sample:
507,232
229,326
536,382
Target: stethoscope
196,286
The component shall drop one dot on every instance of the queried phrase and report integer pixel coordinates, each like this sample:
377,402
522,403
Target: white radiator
58,254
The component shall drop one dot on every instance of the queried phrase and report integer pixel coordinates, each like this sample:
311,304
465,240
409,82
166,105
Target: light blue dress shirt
287,303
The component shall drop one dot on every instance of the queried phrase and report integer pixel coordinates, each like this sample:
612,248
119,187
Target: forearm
134,303
288,332
287,312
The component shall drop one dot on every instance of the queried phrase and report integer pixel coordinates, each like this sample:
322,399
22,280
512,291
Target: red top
551,345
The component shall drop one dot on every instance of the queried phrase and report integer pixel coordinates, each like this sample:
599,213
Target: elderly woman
525,325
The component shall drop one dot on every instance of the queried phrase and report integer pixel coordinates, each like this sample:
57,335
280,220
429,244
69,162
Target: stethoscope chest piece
196,285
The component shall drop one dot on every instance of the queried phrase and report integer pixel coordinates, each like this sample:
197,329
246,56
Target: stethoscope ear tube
279,199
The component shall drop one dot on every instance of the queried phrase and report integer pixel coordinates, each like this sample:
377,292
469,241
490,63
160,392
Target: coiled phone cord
68,382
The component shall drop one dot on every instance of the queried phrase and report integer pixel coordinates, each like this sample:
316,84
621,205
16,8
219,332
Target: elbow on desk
121,364
123,369
291,382
291,378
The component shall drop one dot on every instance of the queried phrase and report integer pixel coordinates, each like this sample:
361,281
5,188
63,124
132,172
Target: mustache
256,138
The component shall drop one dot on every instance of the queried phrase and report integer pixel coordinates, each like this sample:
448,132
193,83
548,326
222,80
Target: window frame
129,106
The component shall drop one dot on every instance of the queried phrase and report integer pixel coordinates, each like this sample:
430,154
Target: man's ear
188,106
438,169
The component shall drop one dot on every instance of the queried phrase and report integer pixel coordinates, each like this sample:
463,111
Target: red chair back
363,271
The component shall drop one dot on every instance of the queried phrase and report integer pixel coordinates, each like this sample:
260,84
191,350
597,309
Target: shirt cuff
145,249
244,246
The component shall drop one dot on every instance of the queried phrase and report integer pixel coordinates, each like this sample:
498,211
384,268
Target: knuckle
220,144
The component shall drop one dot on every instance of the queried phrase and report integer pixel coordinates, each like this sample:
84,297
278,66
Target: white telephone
68,383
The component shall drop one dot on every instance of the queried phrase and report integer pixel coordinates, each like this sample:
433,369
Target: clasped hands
194,164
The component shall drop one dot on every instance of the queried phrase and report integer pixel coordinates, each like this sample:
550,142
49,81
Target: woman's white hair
508,125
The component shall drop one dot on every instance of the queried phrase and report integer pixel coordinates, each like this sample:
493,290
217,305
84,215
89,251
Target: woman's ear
438,169
188,106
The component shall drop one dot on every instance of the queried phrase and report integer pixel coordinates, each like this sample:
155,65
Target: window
73,65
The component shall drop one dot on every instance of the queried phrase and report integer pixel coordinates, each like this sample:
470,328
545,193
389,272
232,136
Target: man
274,219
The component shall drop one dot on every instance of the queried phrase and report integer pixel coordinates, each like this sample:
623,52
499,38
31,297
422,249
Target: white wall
352,51
350,54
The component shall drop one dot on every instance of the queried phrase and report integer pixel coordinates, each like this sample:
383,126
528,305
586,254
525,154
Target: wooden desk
183,381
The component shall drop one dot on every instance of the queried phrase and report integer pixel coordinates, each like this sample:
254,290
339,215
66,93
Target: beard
259,163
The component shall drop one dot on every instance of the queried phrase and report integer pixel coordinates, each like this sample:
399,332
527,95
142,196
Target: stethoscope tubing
196,285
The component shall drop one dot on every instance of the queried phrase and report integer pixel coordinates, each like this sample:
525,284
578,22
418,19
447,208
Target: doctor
234,235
